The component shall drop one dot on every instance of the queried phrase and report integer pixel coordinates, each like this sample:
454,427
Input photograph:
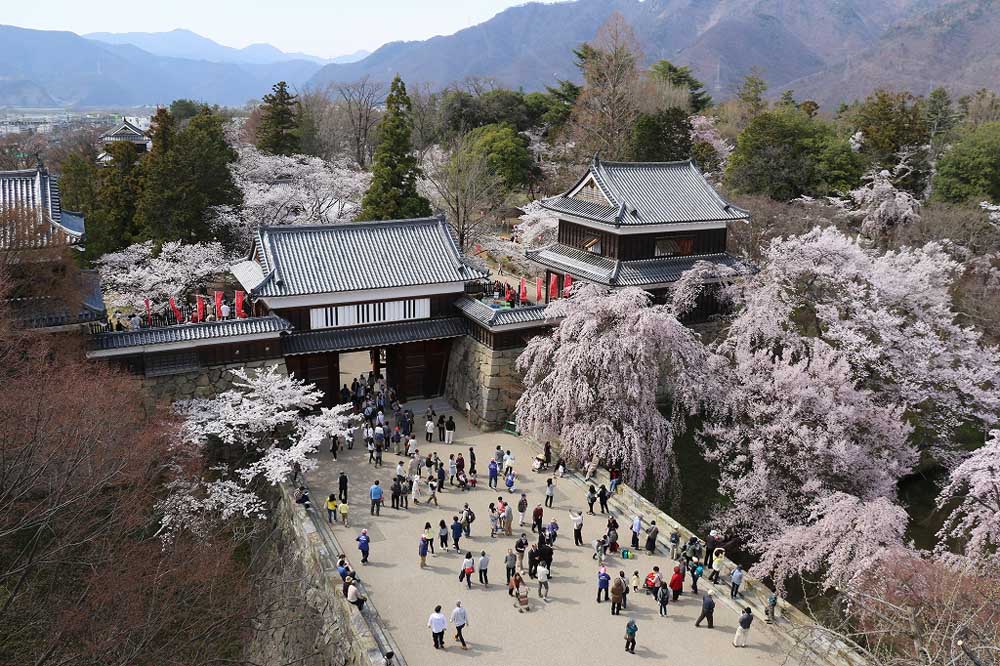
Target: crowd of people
419,477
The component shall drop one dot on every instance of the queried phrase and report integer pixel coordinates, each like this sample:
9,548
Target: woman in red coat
676,583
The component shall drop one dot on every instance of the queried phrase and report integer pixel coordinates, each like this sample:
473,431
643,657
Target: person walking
542,572
395,488
743,630
432,487
550,491
663,597
636,530
617,594
437,623
472,460
736,581
696,570
494,472
375,493
405,490
422,551
331,509
631,629
484,565
625,590
510,563
494,520
342,487
522,507
520,547
707,610
440,426
602,495
536,518
443,534
449,432
508,515
468,568
577,519
717,559
429,430
456,531
591,498
676,583
651,533
364,542
415,493
428,534
460,620
603,583
452,469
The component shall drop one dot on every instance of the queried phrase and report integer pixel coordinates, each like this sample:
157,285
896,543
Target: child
663,596
635,581
343,512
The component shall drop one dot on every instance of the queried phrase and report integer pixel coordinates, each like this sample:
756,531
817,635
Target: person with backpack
631,629
743,630
663,597
468,516
696,570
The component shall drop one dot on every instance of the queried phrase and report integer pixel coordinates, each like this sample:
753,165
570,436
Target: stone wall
204,383
329,631
486,379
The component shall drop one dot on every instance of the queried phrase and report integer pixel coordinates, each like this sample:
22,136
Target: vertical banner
506,292
554,286
567,283
524,290
239,305
539,294
149,314
201,308
218,305
178,315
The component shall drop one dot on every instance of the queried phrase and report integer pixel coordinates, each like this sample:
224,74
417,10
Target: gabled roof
49,313
213,332
494,318
37,192
125,131
366,337
638,273
642,193
352,256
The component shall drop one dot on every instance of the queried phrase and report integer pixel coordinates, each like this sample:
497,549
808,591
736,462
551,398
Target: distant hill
78,72
531,45
181,43
955,46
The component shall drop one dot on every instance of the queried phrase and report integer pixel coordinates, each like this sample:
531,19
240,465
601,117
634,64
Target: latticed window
674,247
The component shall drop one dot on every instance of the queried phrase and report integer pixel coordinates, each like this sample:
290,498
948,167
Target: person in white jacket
437,623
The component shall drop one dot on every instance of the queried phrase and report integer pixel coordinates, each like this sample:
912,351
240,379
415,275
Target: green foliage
78,183
810,108
750,94
941,116
463,112
507,153
666,71
278,130
162,130
890,122
185,109
662,137
393,190
561,101
784,154
970,171
111,225
183,183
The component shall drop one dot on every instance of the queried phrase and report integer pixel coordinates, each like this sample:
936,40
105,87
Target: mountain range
827,50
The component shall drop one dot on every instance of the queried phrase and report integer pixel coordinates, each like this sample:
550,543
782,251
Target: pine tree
162,130
182,184
278,130
78,182
112,224
664,136
393,192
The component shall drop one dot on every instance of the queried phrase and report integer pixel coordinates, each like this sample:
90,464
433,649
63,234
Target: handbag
469,571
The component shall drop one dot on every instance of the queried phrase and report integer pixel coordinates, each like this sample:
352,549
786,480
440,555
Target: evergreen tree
278,130
941,114
112,224
182,184
682,77
78,182
162,130
393,192
664,136
507,154
970,171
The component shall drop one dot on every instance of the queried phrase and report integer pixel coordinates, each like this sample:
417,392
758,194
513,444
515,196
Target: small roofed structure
31,206
126,132
637,224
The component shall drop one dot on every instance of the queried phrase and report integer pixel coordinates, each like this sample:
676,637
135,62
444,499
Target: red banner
149,314
553,286
539,293
178,315
239,305
201,308
218,305
567,283
524,290
506,292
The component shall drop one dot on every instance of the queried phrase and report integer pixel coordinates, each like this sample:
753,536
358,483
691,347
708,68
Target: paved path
571,630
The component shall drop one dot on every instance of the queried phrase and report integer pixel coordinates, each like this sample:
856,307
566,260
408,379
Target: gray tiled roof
37,191
379,335
641,193
493,317
47,313
125,131
210,330
301,260
639,273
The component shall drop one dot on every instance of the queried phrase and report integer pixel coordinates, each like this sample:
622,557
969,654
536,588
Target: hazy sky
319,27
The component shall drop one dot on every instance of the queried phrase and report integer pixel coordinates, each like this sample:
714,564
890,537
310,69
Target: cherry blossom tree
881,206
292,189
144,271
992,211
704,133
593,382
259,434
975,486
538,226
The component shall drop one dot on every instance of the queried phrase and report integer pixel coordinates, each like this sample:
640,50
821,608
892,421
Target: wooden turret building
638,224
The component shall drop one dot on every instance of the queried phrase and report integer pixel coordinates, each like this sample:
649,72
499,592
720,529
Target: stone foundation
205,383
486,379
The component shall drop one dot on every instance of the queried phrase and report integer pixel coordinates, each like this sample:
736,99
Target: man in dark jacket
707,609
342,486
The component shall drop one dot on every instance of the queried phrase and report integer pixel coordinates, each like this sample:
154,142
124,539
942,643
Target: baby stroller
539,464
